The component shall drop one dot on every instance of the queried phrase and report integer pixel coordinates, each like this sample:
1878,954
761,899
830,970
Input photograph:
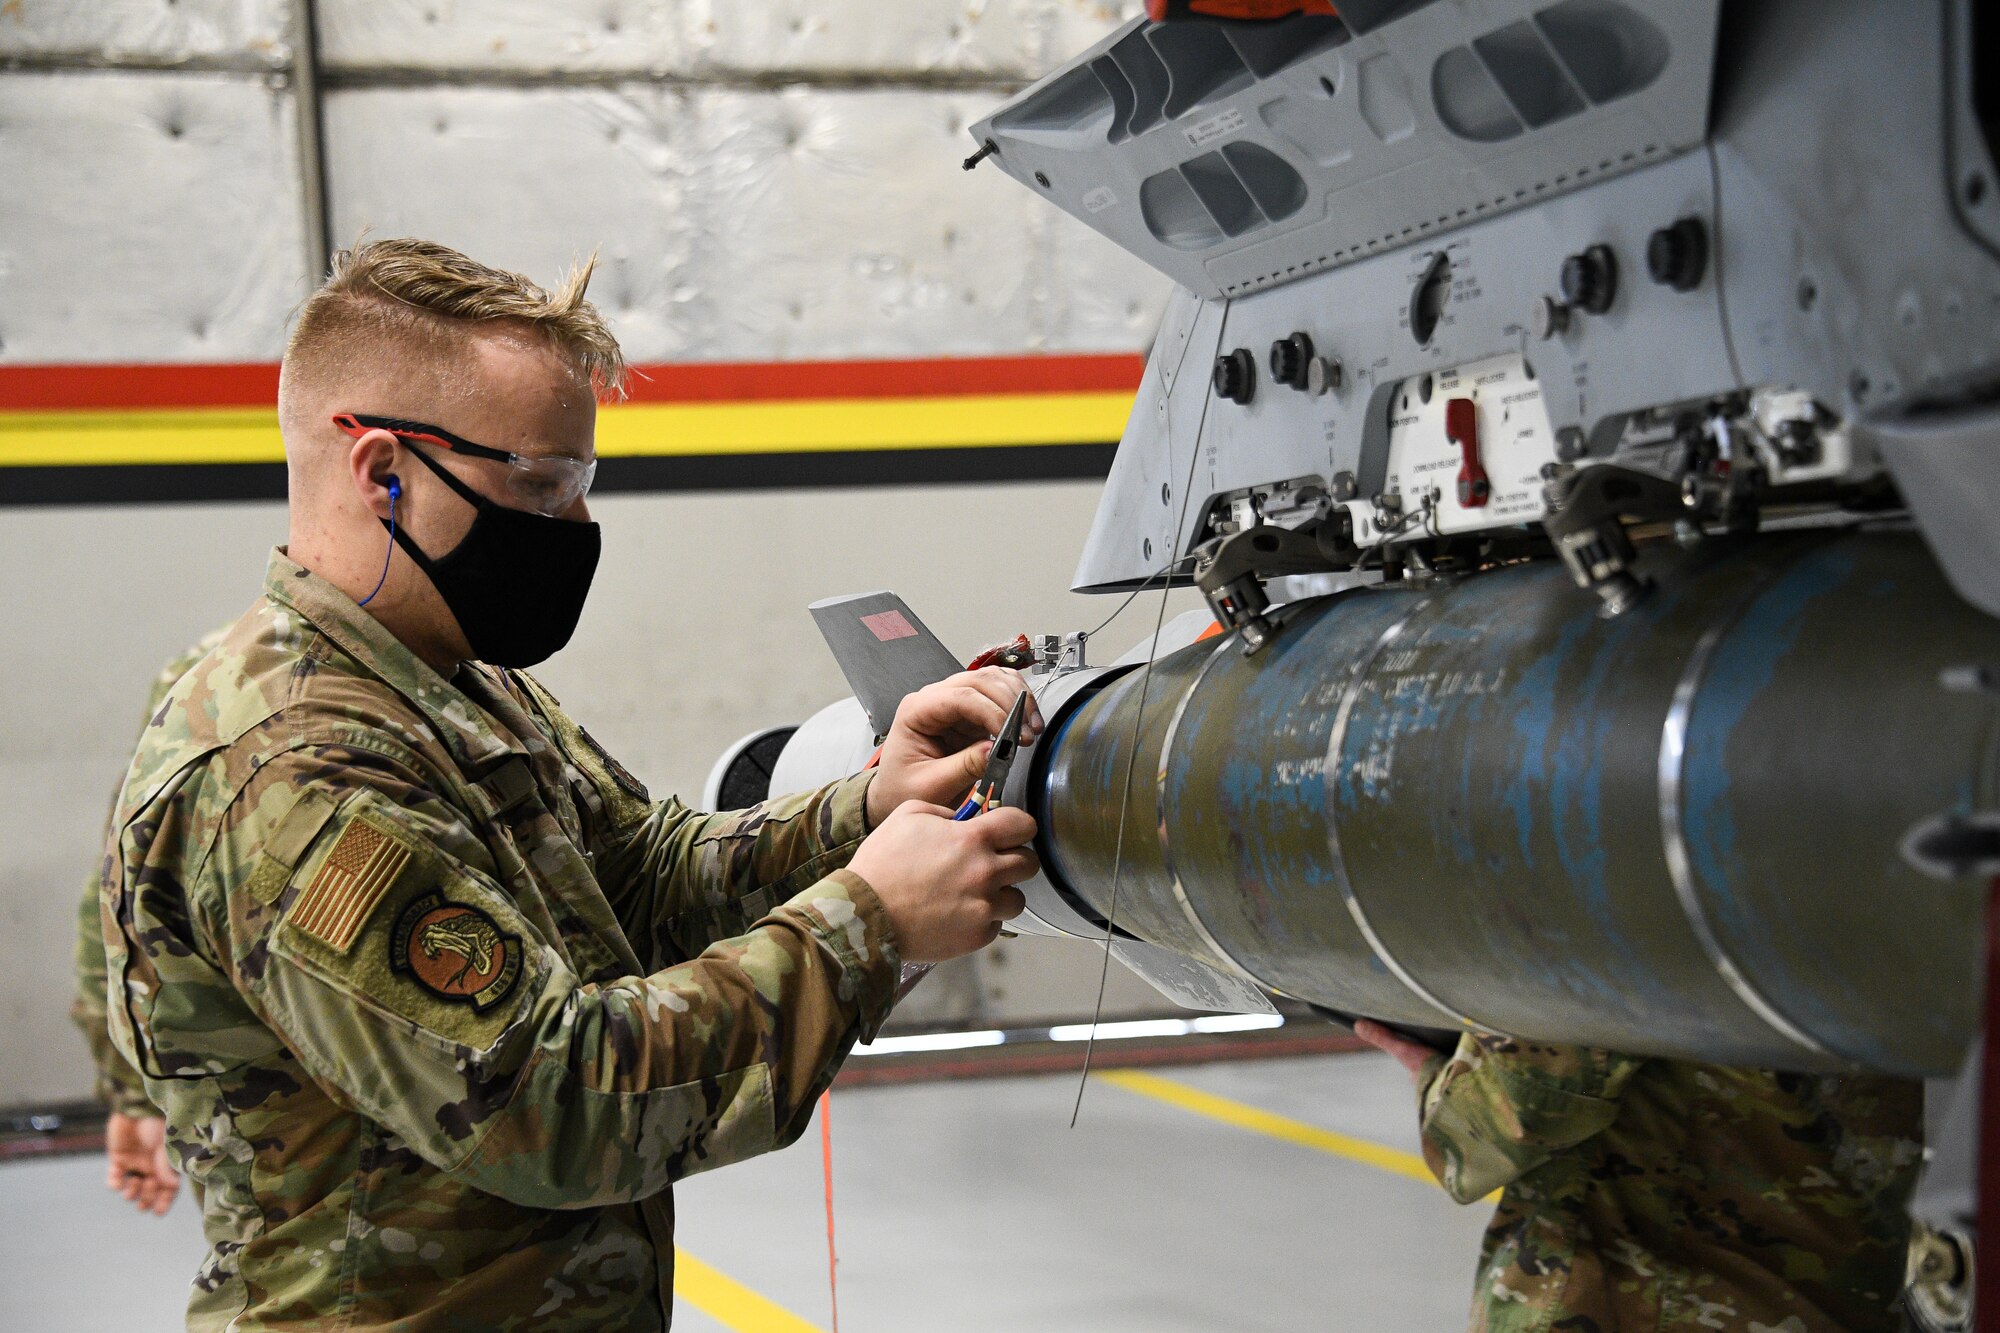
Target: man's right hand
947,886
136,1163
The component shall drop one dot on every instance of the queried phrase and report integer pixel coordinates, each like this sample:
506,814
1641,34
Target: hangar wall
765,185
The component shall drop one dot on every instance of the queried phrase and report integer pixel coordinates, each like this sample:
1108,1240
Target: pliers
986,792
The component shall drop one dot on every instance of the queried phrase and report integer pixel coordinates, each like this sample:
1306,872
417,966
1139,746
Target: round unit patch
454,951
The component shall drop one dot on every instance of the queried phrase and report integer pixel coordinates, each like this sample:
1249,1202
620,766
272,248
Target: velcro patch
358,870
455,951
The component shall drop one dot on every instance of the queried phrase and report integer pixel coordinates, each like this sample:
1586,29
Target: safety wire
1132,759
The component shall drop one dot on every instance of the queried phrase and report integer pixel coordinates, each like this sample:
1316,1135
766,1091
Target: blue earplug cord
395,494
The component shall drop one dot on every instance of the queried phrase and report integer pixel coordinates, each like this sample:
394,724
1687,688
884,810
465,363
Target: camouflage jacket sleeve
678,879
118,1083
415,989
1498,1108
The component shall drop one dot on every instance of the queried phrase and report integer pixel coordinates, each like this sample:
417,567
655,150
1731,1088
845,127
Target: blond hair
404,291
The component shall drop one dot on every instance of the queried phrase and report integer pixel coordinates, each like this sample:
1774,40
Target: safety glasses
545,485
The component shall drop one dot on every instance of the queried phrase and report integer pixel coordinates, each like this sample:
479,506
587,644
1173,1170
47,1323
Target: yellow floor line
729,1302
1235,1113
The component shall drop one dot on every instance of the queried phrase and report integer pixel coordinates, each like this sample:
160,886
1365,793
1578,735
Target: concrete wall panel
533,180
1098,297
147,30
518,35
147,217
1017,39
872,36
839,219
1076,25
883,40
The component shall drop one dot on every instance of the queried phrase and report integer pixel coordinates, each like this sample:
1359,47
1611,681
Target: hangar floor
1269,1195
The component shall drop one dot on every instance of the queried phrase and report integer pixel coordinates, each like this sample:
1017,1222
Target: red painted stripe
698,382
52,388
47,388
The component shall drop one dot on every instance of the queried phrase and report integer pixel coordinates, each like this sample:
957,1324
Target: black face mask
516,581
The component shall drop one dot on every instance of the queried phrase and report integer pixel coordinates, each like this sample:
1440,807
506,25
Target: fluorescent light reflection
1237,1022
930,1041
1167,1027
1139,1027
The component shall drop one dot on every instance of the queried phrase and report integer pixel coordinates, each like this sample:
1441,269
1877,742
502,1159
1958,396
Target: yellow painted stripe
730,1303
191,435
630,430
832,424
1258,1121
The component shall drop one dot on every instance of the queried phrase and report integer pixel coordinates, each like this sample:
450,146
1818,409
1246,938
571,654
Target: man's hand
938,744
947,887
1411,1055
136,1164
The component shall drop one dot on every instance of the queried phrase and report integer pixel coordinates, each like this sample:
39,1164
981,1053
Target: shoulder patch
454,951
359,868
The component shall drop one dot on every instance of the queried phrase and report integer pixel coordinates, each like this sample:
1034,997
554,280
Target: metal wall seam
312,139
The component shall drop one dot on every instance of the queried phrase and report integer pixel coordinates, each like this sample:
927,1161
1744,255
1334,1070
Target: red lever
1461,427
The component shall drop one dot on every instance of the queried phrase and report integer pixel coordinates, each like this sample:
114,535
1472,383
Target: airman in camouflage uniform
1645,1194
438,1002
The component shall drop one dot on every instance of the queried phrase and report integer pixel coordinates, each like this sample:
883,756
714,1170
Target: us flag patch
359,869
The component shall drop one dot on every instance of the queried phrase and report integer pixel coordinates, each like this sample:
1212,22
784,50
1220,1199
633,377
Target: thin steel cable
1130,597
1132,760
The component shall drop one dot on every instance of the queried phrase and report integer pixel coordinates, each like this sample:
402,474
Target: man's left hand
938,744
